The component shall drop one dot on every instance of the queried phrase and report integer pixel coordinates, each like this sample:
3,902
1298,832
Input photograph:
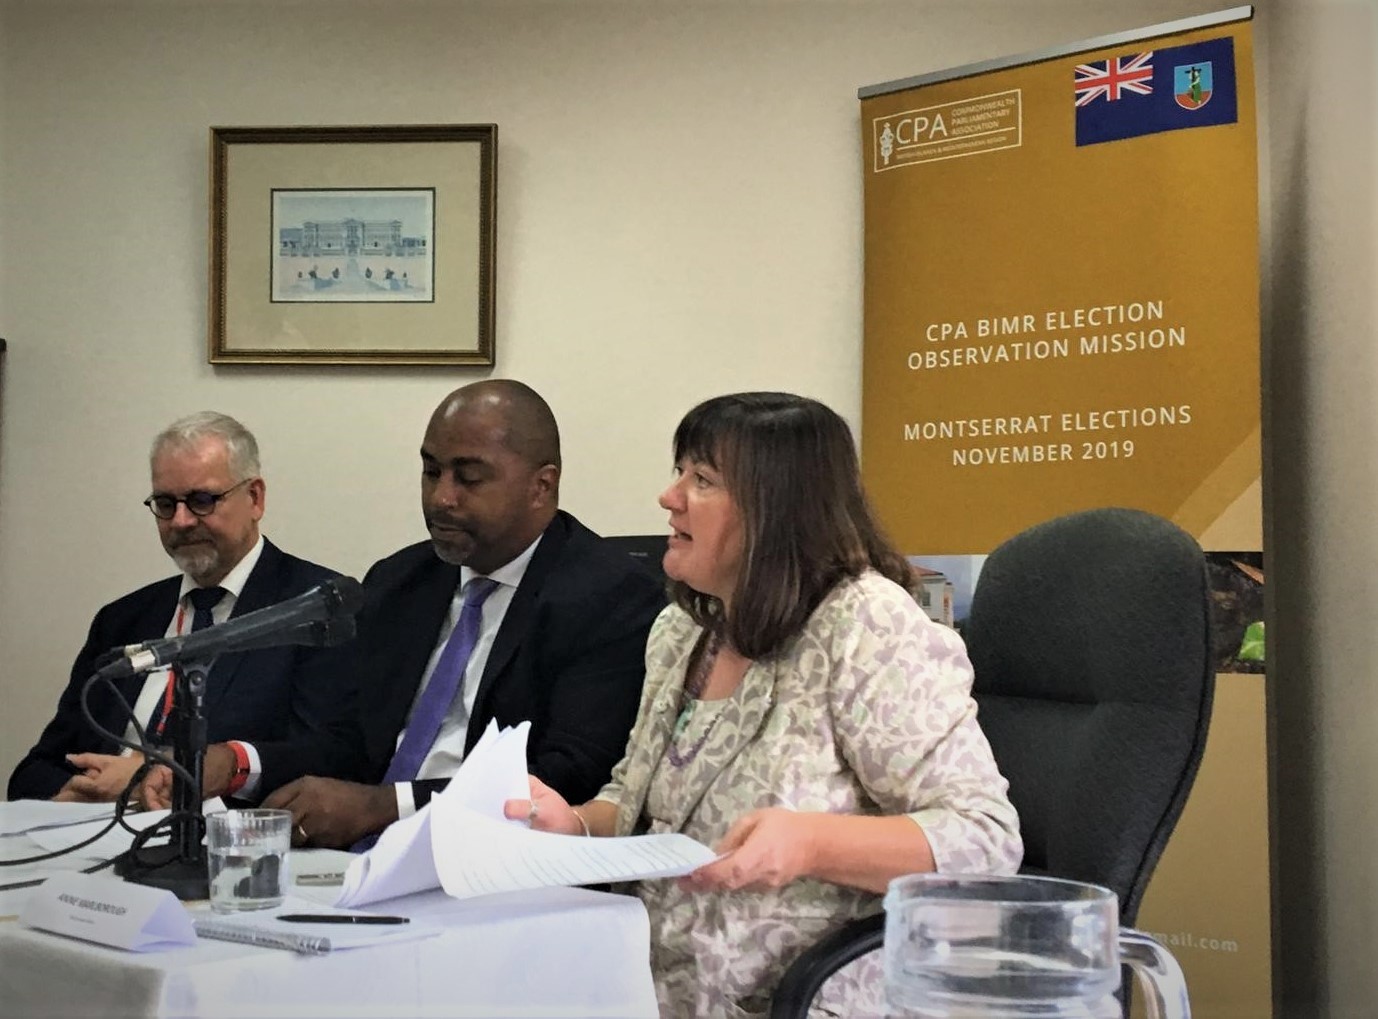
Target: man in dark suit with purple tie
512,611
208,499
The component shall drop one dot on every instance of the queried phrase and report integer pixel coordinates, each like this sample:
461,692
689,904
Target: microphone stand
180,866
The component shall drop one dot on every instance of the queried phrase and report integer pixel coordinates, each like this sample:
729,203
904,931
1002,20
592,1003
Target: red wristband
241,768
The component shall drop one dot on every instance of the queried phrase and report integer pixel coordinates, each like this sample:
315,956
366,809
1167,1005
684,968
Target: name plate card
110,912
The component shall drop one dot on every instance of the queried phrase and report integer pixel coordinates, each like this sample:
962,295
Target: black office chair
1090,638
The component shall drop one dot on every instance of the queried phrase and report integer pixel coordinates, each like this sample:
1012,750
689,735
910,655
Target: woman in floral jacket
801,714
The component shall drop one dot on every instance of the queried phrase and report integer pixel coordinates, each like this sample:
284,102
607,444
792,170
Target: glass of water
247,852
1016,947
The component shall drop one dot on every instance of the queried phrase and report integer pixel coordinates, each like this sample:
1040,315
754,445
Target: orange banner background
992,276
1052,327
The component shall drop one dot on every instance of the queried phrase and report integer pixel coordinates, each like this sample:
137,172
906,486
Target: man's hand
103,777
765,849
155,791
335,814
218,767
217,770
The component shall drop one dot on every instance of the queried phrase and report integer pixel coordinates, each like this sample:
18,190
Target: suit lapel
401,623
260,590
521,611
649,750
152,624
427,614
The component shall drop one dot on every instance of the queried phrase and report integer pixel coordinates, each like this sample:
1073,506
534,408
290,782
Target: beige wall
1321,313
679,215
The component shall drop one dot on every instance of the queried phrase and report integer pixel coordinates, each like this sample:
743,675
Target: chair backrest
647,549
1090,639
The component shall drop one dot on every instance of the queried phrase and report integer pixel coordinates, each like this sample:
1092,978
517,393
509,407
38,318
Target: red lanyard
171,678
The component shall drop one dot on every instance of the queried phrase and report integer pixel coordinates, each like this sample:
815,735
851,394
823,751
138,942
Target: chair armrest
821,960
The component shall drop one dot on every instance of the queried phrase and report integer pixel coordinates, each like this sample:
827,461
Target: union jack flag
1109,78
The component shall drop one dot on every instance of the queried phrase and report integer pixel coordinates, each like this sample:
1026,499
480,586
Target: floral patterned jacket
867,711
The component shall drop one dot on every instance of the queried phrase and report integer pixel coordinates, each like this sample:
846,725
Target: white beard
198,562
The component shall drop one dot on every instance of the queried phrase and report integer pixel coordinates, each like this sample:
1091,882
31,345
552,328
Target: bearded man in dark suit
208,499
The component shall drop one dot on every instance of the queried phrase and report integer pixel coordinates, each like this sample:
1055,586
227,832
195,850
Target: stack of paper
461,842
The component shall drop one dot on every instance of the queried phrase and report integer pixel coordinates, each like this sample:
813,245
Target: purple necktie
440,692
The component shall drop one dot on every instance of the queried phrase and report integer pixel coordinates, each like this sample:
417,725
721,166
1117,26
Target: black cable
151,756
121,808
32,882
143,746
64,851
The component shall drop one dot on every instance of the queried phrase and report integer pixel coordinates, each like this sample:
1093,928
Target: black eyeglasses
201,504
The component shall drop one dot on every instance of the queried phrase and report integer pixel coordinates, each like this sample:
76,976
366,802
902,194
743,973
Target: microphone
325,633
321,617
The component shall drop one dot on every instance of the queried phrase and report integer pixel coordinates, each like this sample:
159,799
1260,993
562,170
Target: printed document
477,855
461,842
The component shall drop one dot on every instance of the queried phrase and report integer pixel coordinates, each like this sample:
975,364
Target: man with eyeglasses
207,500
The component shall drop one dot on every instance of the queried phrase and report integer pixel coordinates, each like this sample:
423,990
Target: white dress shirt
155,683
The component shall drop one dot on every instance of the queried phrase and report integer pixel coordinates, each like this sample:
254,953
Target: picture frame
353,245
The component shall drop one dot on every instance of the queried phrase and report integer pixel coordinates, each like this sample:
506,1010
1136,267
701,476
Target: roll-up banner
1061,312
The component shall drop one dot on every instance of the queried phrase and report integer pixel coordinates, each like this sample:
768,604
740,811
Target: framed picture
353,245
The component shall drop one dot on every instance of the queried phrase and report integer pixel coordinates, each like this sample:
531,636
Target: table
552,952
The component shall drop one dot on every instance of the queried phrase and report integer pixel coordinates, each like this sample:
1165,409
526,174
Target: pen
22,884
341,918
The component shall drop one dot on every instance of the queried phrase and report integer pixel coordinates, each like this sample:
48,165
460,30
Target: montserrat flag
1155,90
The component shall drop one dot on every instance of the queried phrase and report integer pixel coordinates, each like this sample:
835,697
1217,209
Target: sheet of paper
494,772
19,817
479,855
109,911
402,861
113,842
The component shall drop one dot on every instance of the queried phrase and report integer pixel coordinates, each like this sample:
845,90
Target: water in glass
247,852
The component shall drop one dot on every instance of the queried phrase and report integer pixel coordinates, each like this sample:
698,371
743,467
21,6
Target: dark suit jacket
569,657
265,697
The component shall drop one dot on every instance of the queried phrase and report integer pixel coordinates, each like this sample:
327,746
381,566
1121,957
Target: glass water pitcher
1018,947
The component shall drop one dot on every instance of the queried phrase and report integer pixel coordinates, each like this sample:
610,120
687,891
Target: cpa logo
908,131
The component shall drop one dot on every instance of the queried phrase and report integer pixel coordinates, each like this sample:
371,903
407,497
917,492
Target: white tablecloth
553,952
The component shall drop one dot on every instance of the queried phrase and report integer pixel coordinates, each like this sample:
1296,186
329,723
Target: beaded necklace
688,698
